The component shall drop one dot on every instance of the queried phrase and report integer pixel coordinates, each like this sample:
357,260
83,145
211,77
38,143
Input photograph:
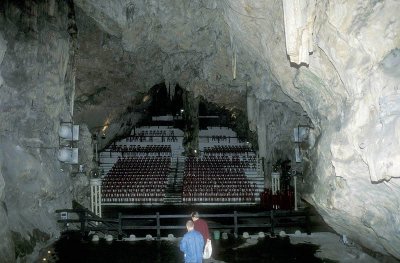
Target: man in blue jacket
192,244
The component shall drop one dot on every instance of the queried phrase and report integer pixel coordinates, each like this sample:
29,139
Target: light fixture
68,155
146,98
68,131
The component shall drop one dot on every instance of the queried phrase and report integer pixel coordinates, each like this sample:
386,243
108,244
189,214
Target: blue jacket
192,245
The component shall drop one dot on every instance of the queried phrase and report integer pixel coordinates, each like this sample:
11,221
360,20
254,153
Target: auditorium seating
214,179
136,180
136,169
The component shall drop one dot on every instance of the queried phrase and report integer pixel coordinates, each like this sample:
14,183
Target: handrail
119,226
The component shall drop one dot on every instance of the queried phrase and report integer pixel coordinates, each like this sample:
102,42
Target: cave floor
71,248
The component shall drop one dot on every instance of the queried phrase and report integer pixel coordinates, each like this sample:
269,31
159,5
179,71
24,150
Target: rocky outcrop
35,96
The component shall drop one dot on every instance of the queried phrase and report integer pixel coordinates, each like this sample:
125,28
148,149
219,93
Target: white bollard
246,235
171,237
95,238
282,233
297,233
261,234
224,235
109,238
149,237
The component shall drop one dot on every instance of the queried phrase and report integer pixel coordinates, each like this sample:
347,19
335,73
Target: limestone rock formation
34,98
333,66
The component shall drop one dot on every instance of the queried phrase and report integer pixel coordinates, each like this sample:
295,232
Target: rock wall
36,91
350,91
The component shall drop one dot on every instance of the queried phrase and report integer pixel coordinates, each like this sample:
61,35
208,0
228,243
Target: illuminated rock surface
234,53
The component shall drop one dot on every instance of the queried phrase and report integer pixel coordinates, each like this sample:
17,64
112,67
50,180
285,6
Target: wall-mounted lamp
68,131
68,155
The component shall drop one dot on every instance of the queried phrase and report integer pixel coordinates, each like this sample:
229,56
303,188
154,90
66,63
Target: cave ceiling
126,47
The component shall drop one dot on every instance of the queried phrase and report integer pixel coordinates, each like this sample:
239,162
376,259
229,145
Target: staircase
173,193
256,178
95,222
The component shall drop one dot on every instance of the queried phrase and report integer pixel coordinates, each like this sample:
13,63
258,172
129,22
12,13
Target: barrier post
295,192
158,225
272,223
235,222
82,218
119,224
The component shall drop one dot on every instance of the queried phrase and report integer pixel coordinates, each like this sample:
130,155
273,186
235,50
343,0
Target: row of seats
210,196
145,182
213,179
139,148
150,138
143,159
155,133
222,161
133,198
219,138
136,180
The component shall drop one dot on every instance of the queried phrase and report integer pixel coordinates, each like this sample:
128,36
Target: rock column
191,117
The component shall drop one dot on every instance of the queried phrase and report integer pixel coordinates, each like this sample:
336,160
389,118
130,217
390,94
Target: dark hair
195,214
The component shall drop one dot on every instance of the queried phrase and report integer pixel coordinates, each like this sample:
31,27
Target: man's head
189,225
195,216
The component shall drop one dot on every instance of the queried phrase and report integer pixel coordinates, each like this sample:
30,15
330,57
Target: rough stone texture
190,116
348,90
34,57
148,48
232,52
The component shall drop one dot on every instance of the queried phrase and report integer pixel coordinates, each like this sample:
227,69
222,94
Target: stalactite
299,18
191,117
71,71
234,56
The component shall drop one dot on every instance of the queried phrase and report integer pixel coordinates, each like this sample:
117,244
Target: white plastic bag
207,250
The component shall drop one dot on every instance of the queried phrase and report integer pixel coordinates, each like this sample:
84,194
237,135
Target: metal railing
124,223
